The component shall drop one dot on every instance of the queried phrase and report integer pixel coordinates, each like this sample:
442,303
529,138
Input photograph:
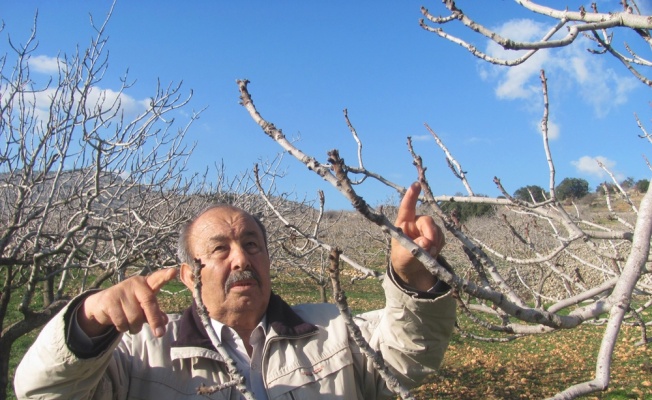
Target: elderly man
96,347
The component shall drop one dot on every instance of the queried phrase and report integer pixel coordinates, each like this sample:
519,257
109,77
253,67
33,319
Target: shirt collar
280,317
224,332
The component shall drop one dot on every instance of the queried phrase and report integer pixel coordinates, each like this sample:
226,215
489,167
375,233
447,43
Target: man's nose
239,258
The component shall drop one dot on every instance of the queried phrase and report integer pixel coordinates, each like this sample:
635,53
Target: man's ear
186,276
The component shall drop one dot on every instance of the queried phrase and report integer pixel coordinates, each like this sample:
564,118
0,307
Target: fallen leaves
537,367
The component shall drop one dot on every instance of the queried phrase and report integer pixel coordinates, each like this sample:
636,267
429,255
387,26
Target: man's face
236,284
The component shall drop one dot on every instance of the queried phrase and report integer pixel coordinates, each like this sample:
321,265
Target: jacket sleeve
51,370
412,332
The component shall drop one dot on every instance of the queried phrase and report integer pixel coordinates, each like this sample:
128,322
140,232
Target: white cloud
553,129
477,139
517,82
98,99
517,29
106,98
589,166
571,68
421,138
597,84
45,64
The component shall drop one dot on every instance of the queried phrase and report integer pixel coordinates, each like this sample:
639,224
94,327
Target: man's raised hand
424,232
126,306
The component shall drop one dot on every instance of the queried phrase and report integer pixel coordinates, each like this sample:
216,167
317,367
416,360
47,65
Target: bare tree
567,25
614,265
547,253
573,269
93,184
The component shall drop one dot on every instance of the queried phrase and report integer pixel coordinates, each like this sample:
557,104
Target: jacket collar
280,318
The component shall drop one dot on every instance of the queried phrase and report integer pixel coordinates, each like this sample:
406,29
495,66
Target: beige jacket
307,355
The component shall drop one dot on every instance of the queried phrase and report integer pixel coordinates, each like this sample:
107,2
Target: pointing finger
407,209
160,278
153,314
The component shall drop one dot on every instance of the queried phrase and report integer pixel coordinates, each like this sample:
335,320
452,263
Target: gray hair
183,246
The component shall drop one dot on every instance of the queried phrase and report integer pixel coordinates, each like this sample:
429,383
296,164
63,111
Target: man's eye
218,249
251,246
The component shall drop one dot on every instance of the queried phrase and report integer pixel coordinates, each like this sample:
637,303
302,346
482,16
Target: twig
358,141
452,162
309,237
237,379
335,173
485,324
623,192
204,390
639,320
376,357
544,134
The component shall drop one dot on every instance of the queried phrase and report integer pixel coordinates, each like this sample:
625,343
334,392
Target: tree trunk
5,296
322,293
48,290
5,350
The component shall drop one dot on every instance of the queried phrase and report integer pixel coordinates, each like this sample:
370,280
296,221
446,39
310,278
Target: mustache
237,276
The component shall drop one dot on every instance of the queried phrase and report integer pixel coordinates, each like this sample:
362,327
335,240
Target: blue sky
307,61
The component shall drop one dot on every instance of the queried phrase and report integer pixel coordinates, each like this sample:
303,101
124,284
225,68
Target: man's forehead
224,221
